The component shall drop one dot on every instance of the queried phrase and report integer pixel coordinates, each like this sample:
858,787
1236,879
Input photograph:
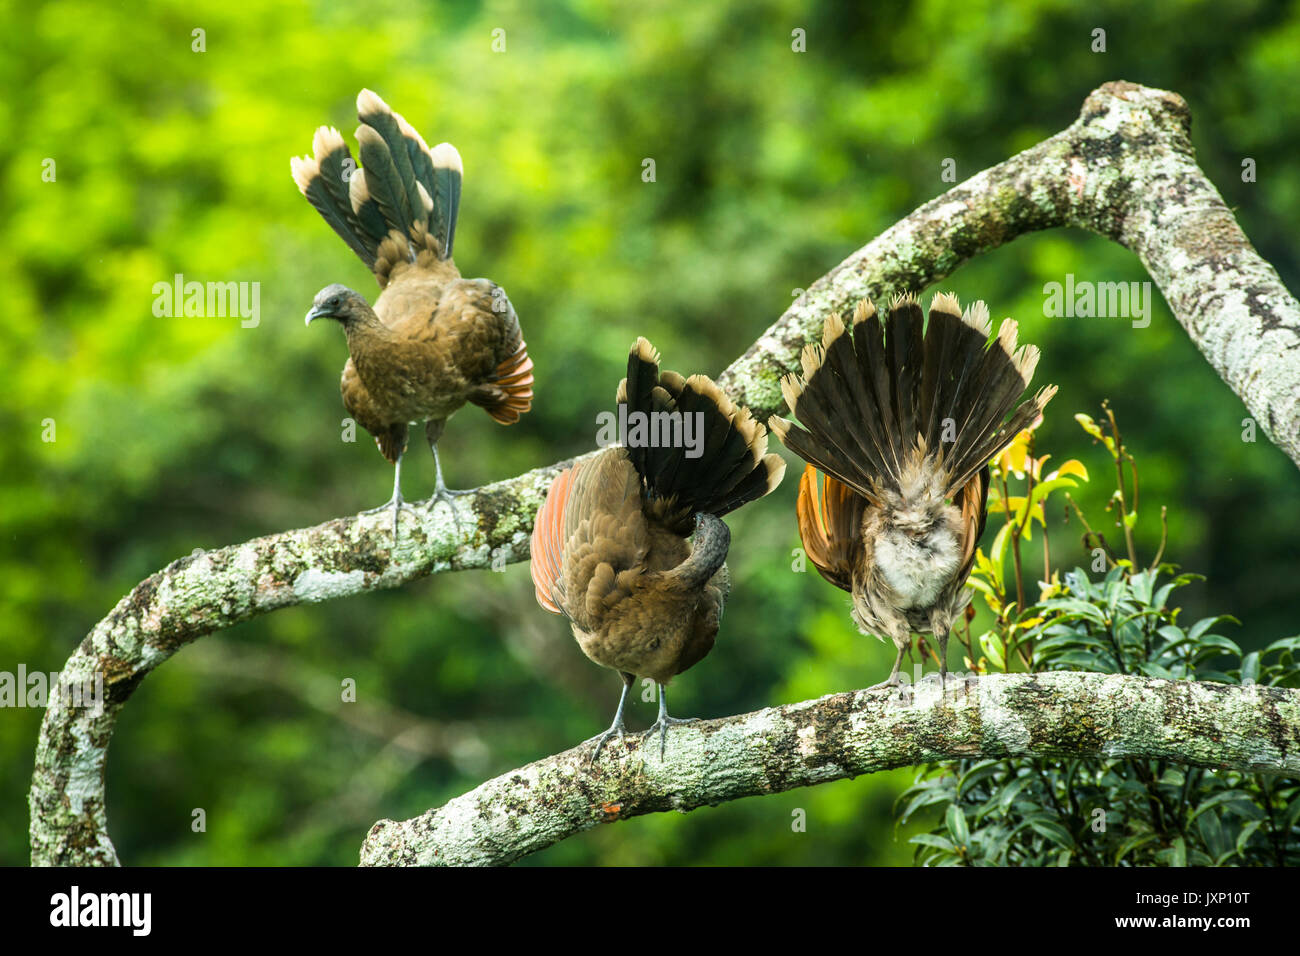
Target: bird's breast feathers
917,569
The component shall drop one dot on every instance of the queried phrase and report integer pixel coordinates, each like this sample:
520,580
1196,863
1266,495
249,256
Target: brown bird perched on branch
610,548
904,422
433,341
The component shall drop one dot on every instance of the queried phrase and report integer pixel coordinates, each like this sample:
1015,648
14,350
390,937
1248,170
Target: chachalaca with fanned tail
433,340
903,419
610,546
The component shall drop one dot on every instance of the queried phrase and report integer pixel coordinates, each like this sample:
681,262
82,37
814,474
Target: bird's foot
616,729
444,494
662,725
397,503
890,687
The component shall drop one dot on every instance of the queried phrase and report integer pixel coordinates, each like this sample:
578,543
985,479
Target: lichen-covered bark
211,590
1125,169
1055,714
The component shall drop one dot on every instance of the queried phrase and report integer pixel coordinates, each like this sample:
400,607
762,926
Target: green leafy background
772,165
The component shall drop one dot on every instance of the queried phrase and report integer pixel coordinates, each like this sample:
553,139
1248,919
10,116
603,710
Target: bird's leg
397,502
432,432
941,635
440,488
665,721
442,493
616,728
893,675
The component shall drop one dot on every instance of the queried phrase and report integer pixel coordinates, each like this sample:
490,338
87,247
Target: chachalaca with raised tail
903,419
433,341
610,548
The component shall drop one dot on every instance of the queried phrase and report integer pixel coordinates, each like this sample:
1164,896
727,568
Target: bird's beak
313,314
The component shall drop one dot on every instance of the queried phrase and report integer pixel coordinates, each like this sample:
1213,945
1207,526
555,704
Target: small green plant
1118,619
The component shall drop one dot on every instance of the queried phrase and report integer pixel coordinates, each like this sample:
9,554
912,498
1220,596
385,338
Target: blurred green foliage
182,433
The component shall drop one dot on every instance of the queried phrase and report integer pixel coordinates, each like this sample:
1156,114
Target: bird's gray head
337,302
712,539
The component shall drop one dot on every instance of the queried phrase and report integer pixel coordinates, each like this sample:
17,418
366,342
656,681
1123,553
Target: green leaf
1250,668
1088,425
993,648
1212,832
1292,814
1132,843
1215,640
1177,854
1205,623
931,839
1283,644
931,794
956,821
977,774
1247,831
1012,790
1064,609
1053,831
998,554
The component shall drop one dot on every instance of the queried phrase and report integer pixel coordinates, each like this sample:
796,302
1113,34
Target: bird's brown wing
507,391
972,498
390,436
607,539
457,340
547,547
830,525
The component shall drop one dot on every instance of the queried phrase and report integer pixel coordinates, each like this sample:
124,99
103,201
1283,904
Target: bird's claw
616,729
662,725
444,494
397,503
890,686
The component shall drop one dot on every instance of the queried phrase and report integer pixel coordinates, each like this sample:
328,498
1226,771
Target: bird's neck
364,331
709,551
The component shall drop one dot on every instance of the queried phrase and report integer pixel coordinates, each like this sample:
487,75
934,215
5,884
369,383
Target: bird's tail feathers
694,449
876,398
402,201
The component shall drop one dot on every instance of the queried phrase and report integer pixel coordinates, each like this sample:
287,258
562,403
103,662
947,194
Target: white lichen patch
85,780
999,723
807,737
314,585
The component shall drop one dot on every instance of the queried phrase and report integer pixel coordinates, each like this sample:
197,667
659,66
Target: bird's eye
333,303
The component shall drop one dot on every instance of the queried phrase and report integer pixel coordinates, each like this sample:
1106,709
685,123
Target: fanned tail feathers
732,466
877,397
402,202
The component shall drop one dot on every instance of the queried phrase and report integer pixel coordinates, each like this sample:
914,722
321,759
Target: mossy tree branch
1058,714
1125,170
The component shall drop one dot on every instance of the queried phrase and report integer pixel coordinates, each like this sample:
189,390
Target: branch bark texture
1058,714
1125,170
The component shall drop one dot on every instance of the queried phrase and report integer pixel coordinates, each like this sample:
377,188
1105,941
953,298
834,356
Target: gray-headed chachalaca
904,422
433,341
610,548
